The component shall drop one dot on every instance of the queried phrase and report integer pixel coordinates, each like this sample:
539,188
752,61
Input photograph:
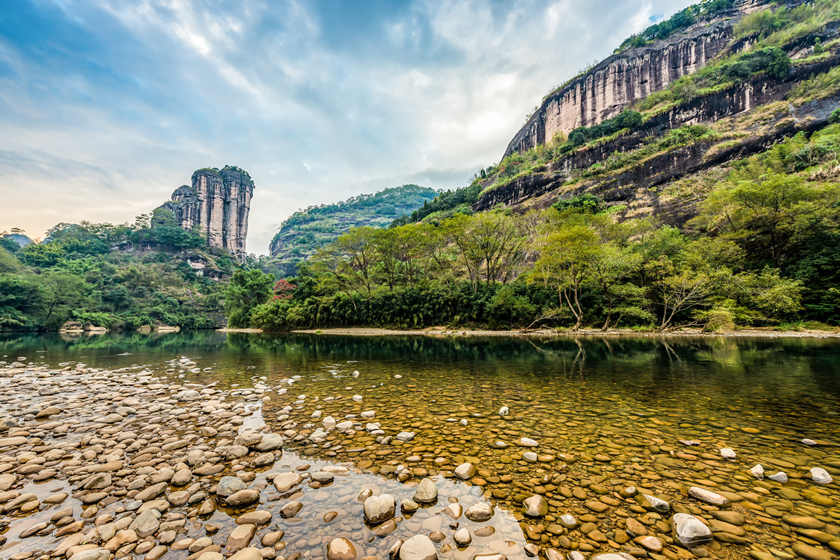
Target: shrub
718,319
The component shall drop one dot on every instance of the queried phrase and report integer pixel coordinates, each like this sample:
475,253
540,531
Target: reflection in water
606,414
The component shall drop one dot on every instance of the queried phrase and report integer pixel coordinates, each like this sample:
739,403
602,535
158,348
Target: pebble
820,476
418,547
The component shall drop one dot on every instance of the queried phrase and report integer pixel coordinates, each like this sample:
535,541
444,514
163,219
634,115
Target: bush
718,319
834,118
771,60
626,119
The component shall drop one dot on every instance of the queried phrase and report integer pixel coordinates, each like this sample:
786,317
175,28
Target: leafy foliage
119,277
304,232
763,251
677,22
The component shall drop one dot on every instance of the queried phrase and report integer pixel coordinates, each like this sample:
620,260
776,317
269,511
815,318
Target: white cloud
428,94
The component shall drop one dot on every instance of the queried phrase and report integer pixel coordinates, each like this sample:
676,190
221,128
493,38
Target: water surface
605,413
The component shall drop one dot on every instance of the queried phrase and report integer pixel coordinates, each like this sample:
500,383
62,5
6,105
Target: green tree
247,289
566,262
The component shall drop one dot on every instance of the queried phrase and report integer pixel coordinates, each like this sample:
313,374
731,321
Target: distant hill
19,239
304,232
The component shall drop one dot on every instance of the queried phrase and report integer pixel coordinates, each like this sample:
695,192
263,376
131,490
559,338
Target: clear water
606,413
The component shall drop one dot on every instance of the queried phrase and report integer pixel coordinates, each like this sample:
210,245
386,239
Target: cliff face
217,204
621,79
642,184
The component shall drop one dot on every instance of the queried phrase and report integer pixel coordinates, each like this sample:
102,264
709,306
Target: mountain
650,127
19,240
304,232
216,205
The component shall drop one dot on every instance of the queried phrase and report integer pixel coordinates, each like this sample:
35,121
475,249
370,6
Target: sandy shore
594,333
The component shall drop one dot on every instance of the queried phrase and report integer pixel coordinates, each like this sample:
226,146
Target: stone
426,492
758,472
322,477
804,521
341,549
379,508
405,436
689,530
535,506
465,471
286,481
656,504
811,552
778,477
243,497
462,537
649,542
820,476
249,553
707,496
258,517
240,537
418,547
291,509
270,442
504,411
727,453
229,485
568,521
481,511
409,506
635,528
92,554
146,523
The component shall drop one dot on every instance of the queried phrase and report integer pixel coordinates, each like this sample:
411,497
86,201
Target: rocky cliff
217,205
624,78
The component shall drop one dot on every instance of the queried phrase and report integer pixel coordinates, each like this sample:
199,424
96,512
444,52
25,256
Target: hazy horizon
109,107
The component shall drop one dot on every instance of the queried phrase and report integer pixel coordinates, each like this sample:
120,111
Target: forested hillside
306,231
120,277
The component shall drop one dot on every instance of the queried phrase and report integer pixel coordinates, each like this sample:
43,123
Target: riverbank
547,333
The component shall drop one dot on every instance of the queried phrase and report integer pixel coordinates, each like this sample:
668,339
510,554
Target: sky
107,106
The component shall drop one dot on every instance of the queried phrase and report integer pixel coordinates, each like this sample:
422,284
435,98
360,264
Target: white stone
820,476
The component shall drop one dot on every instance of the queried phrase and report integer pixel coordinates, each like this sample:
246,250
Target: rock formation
621,79
217,205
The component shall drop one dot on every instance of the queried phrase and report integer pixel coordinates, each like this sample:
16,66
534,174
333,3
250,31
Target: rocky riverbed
168,462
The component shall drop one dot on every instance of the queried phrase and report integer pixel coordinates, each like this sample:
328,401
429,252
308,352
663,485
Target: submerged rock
778,477
426,492
341,549
707,496
465,471
379,508
689,530
820,476
482,511
535,506
418,547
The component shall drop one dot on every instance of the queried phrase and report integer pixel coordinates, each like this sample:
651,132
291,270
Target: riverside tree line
763,250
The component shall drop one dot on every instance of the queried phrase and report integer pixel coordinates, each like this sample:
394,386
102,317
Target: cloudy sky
106,106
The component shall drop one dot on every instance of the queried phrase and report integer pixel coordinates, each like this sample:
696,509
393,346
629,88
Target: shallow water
605,413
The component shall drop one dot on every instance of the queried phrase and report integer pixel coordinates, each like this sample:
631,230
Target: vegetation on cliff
119,277
763,250
304,232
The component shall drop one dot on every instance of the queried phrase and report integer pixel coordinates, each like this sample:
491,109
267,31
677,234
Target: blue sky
108,106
